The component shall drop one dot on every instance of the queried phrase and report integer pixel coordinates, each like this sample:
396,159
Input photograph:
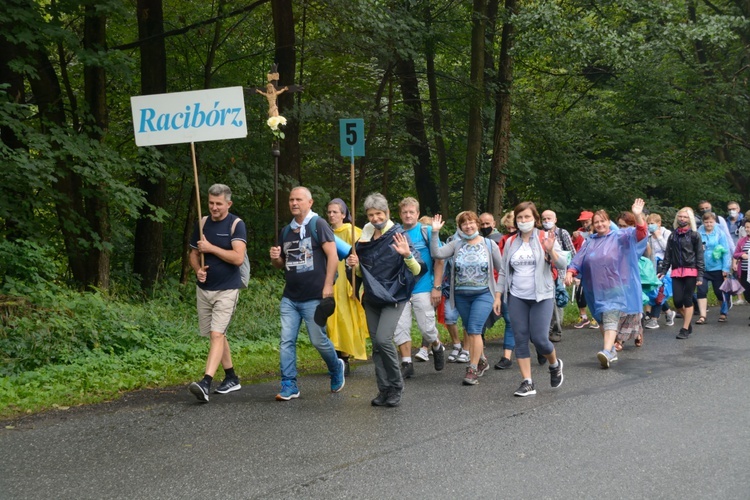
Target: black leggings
746,284
682,291
580,297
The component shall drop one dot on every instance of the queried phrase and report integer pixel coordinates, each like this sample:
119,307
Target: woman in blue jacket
717,259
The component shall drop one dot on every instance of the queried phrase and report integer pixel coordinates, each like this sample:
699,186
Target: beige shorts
215,309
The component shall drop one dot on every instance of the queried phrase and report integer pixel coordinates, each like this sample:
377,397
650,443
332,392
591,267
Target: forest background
574,104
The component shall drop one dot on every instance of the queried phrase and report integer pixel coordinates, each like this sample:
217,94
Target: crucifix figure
272,91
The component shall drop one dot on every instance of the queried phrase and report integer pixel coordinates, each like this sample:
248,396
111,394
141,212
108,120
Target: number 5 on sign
352,136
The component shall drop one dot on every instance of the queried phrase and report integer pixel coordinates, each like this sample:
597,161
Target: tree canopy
604,101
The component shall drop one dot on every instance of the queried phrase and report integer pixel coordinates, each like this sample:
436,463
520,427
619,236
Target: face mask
682,223
733,213
467,237
705,210
525,227
652,228
486,231
379,226
548,225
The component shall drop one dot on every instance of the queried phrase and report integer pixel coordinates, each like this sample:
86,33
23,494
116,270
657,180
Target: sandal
639,341
618,345
701,321
722,318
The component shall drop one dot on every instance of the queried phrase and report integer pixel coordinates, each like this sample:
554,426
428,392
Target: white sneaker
453,356
651,324
670,317
423,354
463,357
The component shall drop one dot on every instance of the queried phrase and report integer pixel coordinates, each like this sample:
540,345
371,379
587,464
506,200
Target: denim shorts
474,309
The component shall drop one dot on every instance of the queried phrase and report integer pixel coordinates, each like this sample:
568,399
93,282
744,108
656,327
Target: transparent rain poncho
608,268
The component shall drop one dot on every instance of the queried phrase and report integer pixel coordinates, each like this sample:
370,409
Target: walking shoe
582,322
556,375
670,317
471,377
338,380
394,398
200,390
453,356
651,323
463,357
593,324
407,369
683,334
438,357
613,356
503,364
606,357
540,358
229,385
288,391
423,354
555,336
482,366
380,399
525,389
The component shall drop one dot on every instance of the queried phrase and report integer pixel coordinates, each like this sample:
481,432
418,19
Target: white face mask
525,227
733,213
548,225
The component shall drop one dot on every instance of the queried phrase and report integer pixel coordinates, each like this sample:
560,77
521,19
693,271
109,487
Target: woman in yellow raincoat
347,327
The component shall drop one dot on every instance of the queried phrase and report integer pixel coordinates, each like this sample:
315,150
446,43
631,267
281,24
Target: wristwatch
437,287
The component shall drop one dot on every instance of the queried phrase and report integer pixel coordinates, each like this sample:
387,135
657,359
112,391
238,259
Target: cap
324,310
586,215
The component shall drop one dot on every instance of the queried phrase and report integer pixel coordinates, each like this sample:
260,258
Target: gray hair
376,201
303,189
221,190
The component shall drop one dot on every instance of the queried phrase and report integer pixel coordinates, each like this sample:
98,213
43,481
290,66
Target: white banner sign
195,116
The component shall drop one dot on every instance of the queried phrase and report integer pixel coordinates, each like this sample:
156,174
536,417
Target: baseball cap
586,215
324,310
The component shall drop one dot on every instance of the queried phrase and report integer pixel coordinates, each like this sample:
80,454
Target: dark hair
628,217
709,215
524,205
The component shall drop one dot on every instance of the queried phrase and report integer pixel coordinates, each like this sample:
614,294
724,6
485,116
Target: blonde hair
655,218
691,218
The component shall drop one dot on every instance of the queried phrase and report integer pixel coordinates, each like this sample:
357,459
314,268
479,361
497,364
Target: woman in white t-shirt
527,283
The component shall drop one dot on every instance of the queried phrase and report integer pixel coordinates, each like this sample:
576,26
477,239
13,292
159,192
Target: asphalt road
669,420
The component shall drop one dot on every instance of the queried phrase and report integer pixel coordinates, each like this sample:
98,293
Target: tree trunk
95,92
418,145
149,233
476,102
437,126
286,58
501,142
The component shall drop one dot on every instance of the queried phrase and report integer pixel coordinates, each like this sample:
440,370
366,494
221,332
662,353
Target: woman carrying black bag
388,264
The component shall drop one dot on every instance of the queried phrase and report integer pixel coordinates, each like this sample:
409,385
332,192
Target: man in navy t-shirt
218,285
308,256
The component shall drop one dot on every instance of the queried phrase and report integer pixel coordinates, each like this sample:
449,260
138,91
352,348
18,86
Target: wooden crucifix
271,92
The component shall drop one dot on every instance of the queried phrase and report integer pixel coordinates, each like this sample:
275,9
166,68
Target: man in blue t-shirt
425,296
308,256
222,247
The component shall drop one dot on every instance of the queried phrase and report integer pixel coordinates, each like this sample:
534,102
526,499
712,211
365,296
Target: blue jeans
474,309
292,314
509,338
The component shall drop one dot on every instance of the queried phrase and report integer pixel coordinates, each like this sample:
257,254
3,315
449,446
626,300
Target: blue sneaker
289,391
606,357
338,379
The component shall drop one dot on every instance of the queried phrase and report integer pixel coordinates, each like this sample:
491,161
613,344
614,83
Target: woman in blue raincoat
608,267
717,259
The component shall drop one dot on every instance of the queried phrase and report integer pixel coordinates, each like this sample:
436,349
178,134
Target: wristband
411,256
